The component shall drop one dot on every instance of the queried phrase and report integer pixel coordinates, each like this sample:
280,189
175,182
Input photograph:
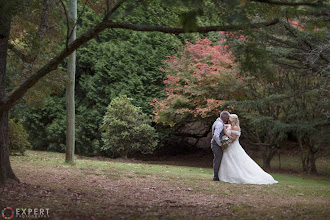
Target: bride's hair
233,118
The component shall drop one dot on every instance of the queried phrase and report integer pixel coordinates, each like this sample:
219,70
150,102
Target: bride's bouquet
225,141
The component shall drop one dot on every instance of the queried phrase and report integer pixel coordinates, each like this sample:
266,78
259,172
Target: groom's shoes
215,179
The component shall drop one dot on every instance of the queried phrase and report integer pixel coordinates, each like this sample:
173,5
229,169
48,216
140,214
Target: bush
127,129
18,138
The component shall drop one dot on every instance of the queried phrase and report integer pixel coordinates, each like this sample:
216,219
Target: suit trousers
217,157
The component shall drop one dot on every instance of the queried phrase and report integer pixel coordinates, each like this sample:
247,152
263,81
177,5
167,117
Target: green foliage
127,129
285,71
18,138
46,125
114,63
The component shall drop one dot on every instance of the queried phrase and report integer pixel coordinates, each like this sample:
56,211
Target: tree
127,129
5,18
18,138
305,58
70,96
288,82
199,80
8,101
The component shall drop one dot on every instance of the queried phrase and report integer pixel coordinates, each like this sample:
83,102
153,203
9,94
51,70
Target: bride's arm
225,131
232,135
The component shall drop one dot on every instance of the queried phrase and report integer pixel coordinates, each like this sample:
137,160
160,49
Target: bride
236,166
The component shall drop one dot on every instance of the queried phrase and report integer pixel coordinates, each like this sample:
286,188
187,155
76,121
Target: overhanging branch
172,30
287,3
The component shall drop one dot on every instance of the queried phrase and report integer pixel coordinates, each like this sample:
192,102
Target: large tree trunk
5,167
6,171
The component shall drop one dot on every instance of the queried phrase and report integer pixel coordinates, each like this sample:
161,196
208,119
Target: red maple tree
198,81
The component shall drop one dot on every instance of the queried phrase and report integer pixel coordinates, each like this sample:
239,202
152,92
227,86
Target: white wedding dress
237,167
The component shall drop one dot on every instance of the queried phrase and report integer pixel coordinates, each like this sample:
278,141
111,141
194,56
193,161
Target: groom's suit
217,133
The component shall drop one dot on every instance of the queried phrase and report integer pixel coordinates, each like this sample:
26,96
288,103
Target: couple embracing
231,163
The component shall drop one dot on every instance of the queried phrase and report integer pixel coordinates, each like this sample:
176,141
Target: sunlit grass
53,159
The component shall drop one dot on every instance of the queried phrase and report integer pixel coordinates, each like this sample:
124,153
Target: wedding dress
237,167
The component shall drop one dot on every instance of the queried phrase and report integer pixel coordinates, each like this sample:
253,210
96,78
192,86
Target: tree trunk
6,171
70,106
307,154
5,167
266,162
268,156
302,154
312,164
311,159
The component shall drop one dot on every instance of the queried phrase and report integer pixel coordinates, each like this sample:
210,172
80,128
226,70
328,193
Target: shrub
126,129
18,138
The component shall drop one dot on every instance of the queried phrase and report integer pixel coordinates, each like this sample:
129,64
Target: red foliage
198,82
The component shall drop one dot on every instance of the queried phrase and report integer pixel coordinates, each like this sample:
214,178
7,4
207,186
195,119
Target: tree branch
8,101
314,4
20,53
44,26
308,44
67,23
197,136
172,30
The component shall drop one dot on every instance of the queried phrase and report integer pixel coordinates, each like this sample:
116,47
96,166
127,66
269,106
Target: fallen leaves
93,192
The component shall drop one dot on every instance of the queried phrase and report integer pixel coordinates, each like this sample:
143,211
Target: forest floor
99,188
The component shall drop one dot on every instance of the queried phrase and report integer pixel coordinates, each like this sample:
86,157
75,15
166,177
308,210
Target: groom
217,133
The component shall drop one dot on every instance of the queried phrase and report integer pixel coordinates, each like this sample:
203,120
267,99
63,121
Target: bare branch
20,53
113,9
108,6
67,23
310,46
286,3
75,24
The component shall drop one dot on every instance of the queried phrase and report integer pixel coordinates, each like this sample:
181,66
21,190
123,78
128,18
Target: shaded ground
122,190
288,162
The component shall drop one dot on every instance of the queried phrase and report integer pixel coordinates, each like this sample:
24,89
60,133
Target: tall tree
287,67
70,95
6,14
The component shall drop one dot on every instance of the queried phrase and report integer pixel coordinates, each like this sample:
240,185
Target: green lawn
112,189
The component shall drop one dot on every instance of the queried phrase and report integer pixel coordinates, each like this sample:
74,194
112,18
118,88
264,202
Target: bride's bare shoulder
236,128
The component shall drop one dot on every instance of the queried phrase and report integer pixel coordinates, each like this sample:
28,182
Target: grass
293,163
129,189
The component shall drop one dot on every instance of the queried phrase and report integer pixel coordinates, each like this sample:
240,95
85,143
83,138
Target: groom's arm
217,130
